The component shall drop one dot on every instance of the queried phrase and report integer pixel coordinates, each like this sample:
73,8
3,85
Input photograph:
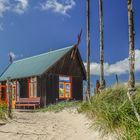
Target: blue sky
30,27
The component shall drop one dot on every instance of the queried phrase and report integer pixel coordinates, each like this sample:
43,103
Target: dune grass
112,113
60,106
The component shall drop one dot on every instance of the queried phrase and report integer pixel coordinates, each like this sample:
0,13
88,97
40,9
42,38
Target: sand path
65,125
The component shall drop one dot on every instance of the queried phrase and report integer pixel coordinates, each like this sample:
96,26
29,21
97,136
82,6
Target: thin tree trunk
9,92
131,82
102,82
88,48
131,46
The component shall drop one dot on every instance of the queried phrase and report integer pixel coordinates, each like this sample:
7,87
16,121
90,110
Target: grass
60,106
111,112
3,110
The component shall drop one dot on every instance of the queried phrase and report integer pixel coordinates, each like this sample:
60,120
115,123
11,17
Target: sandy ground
65,125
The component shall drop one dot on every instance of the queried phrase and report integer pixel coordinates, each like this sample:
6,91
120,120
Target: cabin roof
33,66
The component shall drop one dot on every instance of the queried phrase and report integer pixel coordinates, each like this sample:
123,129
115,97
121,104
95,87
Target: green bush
3,109
112,113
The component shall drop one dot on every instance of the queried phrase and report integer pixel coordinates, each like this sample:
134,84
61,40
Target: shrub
3,109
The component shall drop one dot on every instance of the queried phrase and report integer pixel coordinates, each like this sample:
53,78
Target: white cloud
17,6
4,6
120,67
58,7
21,6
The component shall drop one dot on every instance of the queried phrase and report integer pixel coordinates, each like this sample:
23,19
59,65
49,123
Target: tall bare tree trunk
131,82
88,48
131,46
9,92
102,80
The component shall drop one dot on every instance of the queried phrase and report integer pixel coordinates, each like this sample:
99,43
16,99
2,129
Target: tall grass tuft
111,112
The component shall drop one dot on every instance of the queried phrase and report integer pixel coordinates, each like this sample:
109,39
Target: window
65,90
61,90
33,87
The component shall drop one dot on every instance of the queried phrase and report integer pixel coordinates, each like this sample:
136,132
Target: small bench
28,102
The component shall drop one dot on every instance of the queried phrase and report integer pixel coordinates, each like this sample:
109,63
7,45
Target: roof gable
33,66
70,66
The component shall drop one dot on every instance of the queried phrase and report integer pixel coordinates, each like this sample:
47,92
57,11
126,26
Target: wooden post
102,86
97,86
9,92
131,45
88,48
131,82
117,79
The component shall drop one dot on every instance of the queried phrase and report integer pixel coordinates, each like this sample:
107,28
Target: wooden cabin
49,77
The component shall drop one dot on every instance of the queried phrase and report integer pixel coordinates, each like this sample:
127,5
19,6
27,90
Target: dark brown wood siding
38,86
48,88
41,90
77,88
52,88
23,88
68,66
